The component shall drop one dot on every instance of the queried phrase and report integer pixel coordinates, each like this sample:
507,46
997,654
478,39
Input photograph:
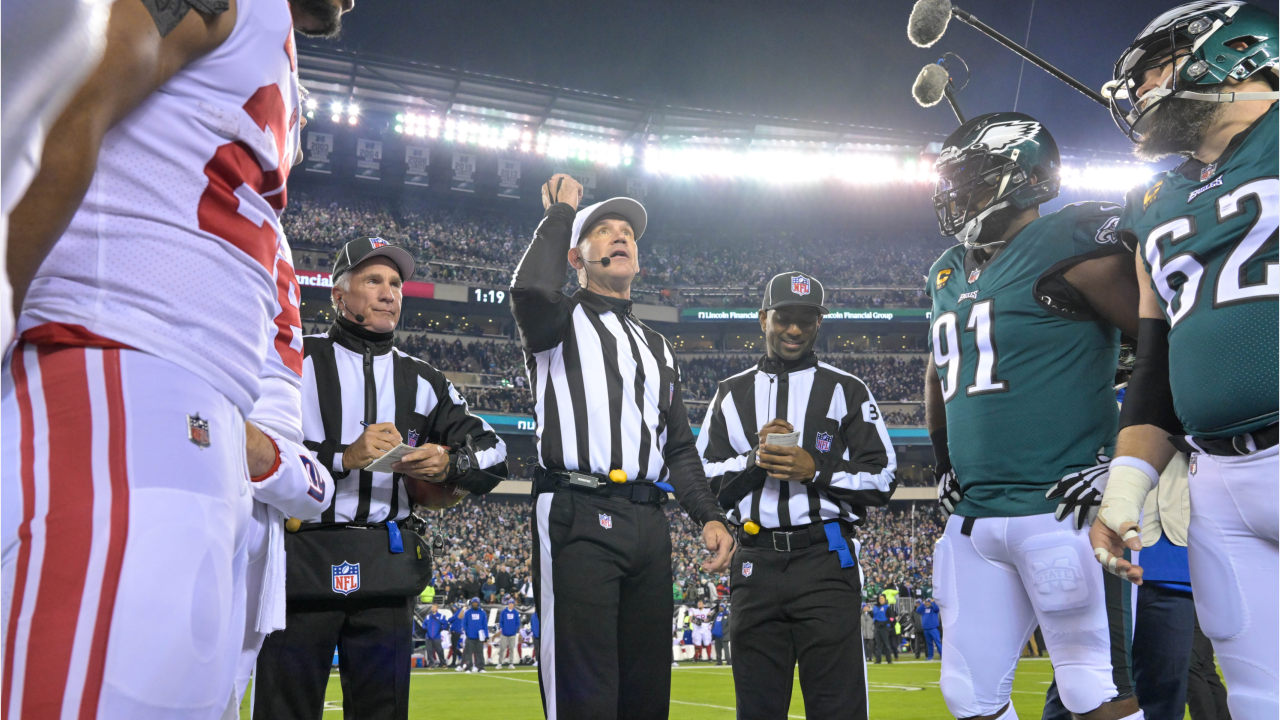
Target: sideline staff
611,426
796,581
360,398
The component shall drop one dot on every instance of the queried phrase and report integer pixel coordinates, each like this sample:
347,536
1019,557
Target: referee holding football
796,582
613,439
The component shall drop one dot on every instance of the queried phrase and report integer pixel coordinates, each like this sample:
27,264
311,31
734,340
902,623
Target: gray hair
343,283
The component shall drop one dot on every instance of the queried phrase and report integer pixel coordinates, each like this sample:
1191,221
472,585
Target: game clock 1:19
488,295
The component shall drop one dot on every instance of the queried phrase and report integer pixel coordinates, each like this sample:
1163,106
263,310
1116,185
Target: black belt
644,493
1235,445
796,539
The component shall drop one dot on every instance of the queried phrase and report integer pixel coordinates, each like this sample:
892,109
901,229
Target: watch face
464,463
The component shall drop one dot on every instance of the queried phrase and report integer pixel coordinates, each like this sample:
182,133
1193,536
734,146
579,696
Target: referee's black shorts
602,582
797,606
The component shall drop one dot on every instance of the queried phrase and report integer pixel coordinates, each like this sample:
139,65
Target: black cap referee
797,449
613,439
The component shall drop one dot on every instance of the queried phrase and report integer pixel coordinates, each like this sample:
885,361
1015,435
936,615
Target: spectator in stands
490,590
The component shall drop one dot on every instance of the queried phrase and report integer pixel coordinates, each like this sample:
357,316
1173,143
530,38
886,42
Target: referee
613,435
796,581
346,572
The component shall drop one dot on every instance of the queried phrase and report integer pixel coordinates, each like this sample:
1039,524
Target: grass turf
906,690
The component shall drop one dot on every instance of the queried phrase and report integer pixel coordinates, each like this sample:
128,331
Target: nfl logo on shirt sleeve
346,578
823,442
800,285
606,522
746,569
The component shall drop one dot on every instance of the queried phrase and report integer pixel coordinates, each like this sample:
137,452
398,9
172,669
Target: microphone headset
358,317
602,262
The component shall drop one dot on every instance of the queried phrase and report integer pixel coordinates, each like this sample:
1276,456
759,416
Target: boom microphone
359,318
928,22
602,262
930,85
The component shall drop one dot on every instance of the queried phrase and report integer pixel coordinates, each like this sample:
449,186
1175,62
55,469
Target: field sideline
907,690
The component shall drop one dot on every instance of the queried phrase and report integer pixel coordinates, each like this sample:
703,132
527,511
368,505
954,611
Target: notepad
394,455
790,439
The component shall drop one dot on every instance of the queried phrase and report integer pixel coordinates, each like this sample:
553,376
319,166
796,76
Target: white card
394,455
790,439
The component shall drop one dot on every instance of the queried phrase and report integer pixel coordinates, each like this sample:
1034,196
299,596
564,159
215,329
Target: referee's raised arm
540,308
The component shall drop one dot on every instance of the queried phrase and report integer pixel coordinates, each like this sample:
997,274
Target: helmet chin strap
972,230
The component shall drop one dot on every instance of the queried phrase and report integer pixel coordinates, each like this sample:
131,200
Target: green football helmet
1197,38
1009,156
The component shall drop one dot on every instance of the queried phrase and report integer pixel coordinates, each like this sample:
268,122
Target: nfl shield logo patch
823,442
1207,171
378,242
606,522
413,438
1192,469
746,569
973,276
346,578
800,285
198,430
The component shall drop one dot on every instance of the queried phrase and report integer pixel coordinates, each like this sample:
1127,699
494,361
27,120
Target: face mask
972,230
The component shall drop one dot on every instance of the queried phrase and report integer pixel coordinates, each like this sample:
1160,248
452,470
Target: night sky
844,61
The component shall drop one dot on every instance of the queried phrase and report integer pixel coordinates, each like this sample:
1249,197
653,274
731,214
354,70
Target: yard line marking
720,707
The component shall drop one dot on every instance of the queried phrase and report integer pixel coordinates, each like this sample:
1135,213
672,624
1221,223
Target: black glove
1081,492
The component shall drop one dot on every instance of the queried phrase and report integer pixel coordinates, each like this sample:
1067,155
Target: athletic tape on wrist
1137,464
1126,493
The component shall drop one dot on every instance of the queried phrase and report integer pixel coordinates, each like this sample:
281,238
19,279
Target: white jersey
700,616
174,248
49,46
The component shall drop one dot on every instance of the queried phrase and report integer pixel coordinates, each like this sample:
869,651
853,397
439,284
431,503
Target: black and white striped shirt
839,424
352,375
606,388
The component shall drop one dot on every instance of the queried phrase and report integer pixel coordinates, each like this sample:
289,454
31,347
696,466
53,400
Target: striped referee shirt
606,388
839,424
351,375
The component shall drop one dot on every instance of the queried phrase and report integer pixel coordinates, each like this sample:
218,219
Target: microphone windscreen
930,85
604,261
928,21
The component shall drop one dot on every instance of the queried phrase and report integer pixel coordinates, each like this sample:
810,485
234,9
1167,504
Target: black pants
457,640
884,642
798,606
374,640
1206,697
435,653
602,582
473,653
722,651
1163,629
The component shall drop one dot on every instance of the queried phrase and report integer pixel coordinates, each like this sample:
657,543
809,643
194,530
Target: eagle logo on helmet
996,138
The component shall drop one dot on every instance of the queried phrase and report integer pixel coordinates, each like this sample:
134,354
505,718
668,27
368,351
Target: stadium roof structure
425,100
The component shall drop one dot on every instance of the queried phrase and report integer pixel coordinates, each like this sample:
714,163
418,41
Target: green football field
907,690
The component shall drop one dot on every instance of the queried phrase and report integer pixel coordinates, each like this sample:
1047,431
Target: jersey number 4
1178,277
946,351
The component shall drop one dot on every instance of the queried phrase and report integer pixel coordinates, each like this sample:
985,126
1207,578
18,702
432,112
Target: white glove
948,493
1081,492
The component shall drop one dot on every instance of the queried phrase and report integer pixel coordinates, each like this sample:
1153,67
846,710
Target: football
434,495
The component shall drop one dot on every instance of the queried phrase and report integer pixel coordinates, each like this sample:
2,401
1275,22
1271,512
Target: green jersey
1207,234
1027,368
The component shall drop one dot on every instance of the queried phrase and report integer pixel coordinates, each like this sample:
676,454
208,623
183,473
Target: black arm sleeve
1149,399
541,310
684,467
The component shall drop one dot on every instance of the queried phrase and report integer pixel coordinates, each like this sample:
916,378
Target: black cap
357,251
794,288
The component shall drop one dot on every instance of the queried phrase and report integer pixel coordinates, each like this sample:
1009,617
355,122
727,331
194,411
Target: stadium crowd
487,552
469,248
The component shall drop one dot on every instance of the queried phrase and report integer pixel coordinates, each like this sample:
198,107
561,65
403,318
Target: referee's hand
720,542
561,188
372,444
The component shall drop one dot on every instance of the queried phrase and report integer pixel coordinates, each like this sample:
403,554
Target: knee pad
1081,689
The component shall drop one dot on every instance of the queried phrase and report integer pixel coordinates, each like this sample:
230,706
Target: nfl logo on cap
800,285
377,242
346,578
746,569
823,442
